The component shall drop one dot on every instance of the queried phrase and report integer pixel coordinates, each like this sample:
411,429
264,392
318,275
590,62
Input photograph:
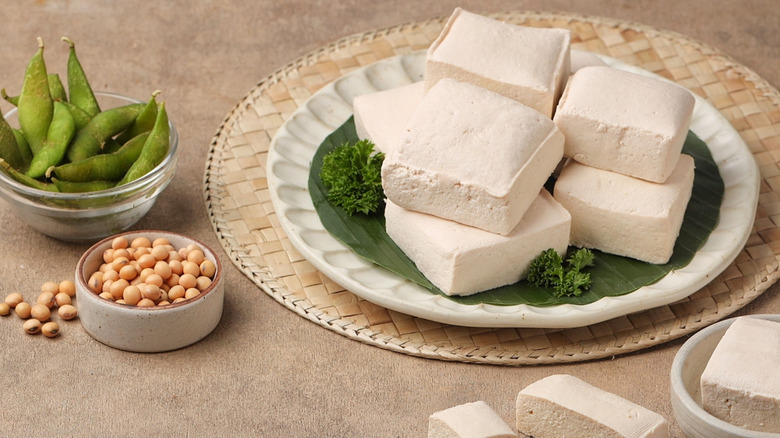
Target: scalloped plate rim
441,309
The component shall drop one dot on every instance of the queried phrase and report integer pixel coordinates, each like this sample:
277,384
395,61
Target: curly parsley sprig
352,175
547,271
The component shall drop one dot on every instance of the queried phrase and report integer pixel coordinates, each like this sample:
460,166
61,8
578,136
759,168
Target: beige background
266,371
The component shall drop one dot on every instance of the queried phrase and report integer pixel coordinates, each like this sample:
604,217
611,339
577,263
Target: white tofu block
470,420
624,122
463,260
564,406
381,116
527,64
473,156
741,383
622,215
582,58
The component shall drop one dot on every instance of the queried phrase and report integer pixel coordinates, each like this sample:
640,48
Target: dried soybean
143,273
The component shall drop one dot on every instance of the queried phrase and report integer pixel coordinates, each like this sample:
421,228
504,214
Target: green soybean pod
144,122
9,149
13,100
111,145
56,89
80,91
107,167
60,132
80,117
104,125
35,108
24,148
81,187
24,179
155,148
131,150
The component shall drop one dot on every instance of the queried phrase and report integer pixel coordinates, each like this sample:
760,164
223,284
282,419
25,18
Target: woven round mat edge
259,275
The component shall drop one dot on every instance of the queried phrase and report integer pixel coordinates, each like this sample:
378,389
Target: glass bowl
90,216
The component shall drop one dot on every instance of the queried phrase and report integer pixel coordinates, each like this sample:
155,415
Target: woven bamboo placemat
240,209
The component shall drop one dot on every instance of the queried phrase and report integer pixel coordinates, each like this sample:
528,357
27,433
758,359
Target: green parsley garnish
352,173
547,271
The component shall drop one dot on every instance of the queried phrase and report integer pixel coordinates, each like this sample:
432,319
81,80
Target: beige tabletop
265,371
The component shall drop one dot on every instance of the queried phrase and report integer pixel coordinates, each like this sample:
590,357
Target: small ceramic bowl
92,215
687,368
147,329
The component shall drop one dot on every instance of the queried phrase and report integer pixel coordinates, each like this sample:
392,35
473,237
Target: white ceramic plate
297,140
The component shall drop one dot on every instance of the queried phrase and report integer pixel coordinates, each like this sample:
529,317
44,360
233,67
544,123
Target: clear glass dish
90,216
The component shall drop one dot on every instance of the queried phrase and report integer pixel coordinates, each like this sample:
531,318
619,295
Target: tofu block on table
469,420
622,215
381,116
473,156
562,405
624,122
741,383
463,260
527,64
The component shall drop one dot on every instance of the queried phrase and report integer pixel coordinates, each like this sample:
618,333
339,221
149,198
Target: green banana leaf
611,275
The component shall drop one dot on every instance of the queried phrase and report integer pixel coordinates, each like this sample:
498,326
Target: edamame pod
155,148
60,132
107,167
35,108
80,117
56,89
102,126
80,91
13,100
110,146
144,122
9,149
81,187
24,148
24,179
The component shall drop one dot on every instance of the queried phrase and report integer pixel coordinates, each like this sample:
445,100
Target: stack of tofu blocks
468,151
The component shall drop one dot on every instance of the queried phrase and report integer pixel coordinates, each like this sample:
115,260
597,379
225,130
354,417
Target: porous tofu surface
469,420
581,59
624,122
381,116
473,156
495,55
740,383
462,260
562,405
624,215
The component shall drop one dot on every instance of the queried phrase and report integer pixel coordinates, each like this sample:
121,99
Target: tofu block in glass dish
381,116
623,215
463,260
562,405
741,383
527,64
469,420
624,122
473,156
